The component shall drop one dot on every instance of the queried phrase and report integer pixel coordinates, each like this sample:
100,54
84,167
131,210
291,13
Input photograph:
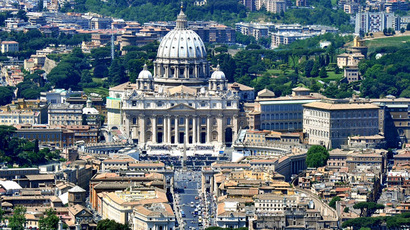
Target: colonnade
179,129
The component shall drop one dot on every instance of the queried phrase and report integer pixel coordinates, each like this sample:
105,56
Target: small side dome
145,74
218,74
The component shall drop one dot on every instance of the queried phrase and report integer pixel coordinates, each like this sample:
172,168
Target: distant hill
164,10
223,11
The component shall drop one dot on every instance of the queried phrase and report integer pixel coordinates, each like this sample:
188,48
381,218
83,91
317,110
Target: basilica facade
181,104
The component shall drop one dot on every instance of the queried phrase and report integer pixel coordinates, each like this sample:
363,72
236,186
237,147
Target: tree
323,73
22,15
346,209
49,221
332,202
6,95
1,215
18,220
367,208
100,71
316,156
116,74
308,68
402,30
111,225
315,69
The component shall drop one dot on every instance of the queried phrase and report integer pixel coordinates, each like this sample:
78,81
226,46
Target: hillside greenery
20,151
33,40
392,222
388,75
227,12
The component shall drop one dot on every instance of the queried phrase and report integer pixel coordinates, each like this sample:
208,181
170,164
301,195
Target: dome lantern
181,19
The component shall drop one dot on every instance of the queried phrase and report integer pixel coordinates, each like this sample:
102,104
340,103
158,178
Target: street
190,204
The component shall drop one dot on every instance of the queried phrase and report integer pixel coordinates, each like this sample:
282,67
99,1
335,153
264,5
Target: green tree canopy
49,221
6,95
107,224
317,156
332,202
17,221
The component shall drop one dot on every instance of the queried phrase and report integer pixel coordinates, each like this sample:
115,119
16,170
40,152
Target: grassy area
387,41
331,77
100,90
99,80
277,72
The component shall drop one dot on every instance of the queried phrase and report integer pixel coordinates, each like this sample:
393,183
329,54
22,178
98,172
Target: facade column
154,129
194,129
176,139
164,130
127,125
168,129
196,70
198,129
186,130
235,127
208,128
220,127
141,140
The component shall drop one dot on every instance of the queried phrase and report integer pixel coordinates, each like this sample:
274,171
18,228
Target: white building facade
178,105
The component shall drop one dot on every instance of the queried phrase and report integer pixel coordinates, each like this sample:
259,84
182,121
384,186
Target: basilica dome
145,74
181,57
181,43
218,74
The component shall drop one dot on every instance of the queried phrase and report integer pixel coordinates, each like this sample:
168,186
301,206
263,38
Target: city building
330,123
58,96
245,93
302,3
65,114
351,74
252,29
349,59
395,120
51,136
101,23
275,6
119,205
9,46
16,117
249,4
283,113
287,38
367,22
179,104
153,216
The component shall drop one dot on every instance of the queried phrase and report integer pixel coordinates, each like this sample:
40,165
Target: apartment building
9,46
330,123
367,22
